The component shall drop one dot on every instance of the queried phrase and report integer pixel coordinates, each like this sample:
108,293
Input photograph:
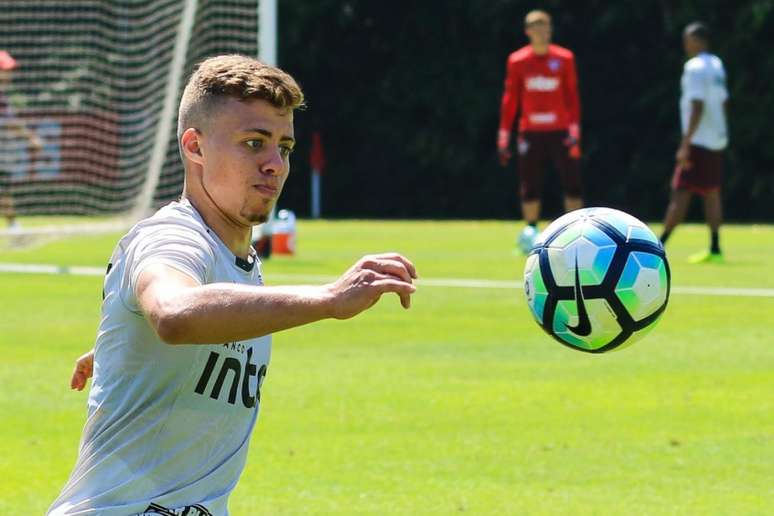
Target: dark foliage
406,94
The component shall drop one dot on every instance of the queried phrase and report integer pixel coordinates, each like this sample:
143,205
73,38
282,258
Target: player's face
539,32
691,45
246,150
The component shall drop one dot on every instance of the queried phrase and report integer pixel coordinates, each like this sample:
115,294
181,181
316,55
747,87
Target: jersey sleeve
695,83
509,104
184,249
571,96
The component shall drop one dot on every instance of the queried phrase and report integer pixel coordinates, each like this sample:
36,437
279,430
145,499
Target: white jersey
704,78
168,426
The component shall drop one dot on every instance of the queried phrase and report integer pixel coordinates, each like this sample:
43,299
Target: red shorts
703,175
537,147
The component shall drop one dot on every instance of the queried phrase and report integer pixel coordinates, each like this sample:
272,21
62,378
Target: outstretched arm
184,312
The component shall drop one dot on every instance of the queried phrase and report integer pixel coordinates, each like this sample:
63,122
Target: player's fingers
405,300
403,289
391,267
396,257
77,381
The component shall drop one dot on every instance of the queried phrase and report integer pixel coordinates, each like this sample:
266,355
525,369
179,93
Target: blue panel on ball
643,233
649,260
629,274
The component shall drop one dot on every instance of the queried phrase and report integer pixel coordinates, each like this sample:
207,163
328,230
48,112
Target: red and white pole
317,162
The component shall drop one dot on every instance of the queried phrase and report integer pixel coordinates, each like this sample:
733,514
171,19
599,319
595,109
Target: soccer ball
597,279
527,239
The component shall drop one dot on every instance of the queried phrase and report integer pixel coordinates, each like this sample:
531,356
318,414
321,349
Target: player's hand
84,368
683,154
364,283
504,155
503,146
572,142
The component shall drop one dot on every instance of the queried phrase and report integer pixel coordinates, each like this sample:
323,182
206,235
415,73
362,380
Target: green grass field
461,404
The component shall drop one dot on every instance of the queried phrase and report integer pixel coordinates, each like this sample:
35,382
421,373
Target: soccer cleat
527,239
706,257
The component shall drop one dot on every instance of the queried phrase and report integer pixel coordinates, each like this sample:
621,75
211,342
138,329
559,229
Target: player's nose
273,163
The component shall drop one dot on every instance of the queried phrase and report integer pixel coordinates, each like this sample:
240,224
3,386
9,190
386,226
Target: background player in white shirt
184,341
700,157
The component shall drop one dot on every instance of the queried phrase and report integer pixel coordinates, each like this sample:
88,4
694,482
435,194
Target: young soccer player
541,85
699,168
185,337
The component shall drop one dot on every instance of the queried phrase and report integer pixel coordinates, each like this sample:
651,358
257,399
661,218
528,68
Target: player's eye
254,144
286,150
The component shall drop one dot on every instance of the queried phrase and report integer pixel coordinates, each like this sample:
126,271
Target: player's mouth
267,190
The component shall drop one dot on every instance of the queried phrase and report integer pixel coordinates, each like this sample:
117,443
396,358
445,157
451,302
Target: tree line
406,96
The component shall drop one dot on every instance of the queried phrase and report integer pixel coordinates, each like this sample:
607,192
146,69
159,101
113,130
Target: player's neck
234,235
540,49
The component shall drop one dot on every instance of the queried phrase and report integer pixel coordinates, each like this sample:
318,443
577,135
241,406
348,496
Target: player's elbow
170,324
170,332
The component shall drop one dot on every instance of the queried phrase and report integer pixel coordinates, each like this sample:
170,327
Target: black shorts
535,149
704,172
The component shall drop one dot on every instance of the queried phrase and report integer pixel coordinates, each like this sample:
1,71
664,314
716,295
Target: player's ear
190,142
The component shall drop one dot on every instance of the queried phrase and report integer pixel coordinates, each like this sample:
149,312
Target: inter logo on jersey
241,378
554,64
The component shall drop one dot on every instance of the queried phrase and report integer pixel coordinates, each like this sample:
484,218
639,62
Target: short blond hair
536,15
234,76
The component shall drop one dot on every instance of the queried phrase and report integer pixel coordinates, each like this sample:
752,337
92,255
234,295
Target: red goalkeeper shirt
543,89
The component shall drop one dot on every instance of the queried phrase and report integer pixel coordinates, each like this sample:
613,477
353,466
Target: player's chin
258,215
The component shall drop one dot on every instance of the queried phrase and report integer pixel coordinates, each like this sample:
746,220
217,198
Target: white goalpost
88,112
168,111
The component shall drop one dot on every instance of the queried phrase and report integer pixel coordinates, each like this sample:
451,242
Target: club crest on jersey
554,64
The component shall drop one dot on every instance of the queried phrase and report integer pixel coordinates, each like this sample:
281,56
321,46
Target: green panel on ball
642,287
535,288
568,235
604,325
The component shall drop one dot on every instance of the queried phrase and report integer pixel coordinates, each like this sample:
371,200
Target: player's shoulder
176,219
561,52
715,60
520,55
702,61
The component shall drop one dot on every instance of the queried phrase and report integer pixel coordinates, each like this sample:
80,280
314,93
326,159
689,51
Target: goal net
88,103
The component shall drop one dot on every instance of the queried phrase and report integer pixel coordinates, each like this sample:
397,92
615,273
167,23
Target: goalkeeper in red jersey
541,86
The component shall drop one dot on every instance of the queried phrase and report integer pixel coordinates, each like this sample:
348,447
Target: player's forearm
697,108
222,312
507,115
